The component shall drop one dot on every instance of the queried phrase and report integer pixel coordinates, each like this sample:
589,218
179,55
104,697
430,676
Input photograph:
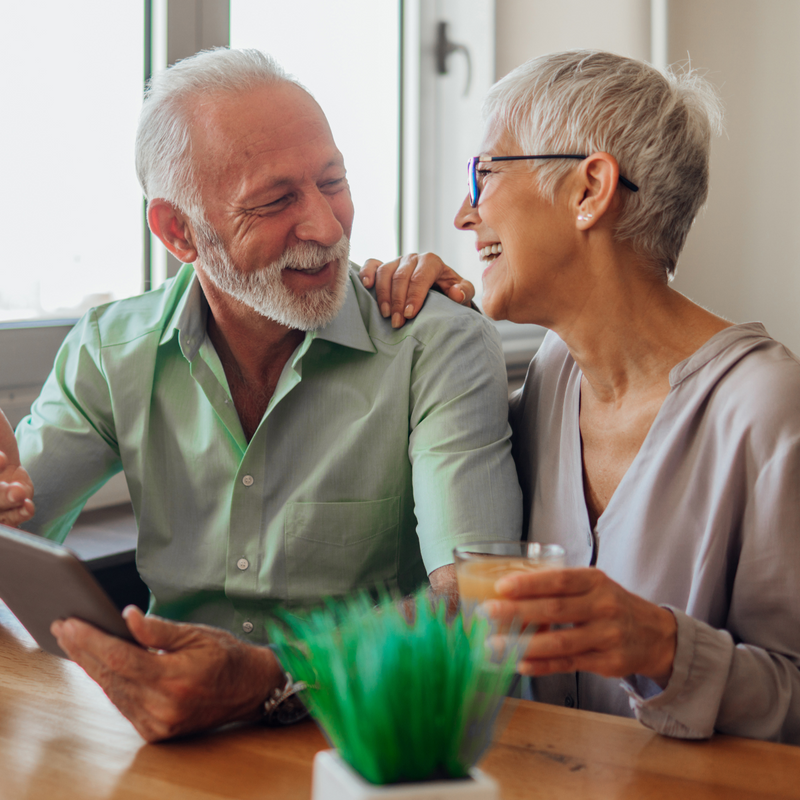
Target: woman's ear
599,177
172,228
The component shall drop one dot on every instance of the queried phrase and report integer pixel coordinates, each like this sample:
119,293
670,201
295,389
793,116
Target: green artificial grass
399,701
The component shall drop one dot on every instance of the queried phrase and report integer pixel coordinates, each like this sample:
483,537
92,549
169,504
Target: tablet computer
42,581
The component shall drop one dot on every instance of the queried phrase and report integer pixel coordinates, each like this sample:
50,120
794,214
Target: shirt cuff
687,708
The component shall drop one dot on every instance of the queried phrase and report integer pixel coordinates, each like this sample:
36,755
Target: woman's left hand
614,633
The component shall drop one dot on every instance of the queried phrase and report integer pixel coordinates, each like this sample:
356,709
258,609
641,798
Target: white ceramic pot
333,779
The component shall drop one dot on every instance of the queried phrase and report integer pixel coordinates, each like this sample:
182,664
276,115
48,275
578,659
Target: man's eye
335,185
279,203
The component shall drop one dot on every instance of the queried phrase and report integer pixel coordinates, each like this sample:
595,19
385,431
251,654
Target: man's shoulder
439,318
132,318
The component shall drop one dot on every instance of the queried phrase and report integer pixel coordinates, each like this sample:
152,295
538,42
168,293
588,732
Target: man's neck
253,351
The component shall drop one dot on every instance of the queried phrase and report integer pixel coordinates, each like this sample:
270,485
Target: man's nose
466,216
319,223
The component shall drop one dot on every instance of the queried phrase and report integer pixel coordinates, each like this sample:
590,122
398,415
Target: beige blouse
706,521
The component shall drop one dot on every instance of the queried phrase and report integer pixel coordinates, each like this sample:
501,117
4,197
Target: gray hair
658,127
163,140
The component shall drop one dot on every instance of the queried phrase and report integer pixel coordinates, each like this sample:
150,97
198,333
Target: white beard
264,290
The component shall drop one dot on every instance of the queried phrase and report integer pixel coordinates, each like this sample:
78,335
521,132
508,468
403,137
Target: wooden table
61,738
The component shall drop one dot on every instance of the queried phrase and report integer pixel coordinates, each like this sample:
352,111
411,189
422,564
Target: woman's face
535,238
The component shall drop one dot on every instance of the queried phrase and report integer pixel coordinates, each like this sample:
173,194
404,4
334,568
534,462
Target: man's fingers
76,636
156,633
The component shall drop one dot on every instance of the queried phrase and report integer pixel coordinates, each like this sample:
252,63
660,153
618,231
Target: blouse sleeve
745,679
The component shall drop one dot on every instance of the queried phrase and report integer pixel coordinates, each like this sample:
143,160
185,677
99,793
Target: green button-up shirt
380,450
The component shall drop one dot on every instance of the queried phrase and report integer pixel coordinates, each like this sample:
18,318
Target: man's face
278,207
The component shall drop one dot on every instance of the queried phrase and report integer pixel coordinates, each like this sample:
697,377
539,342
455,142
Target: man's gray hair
163,141
658,126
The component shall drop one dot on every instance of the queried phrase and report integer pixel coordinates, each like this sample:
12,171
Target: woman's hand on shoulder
401,285
613,632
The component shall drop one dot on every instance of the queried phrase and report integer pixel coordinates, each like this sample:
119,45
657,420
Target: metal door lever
444,48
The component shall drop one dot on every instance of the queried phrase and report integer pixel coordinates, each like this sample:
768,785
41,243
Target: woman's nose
466,216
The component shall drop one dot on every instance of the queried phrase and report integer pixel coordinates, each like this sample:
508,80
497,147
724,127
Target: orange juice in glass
480,565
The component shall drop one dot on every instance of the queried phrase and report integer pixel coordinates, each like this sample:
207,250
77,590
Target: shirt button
248,480
243,563
568,701
247,627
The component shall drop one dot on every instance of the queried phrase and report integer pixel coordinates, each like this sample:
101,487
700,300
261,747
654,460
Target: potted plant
410,706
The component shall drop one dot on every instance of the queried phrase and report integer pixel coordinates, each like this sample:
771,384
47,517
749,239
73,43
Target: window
349,60
72,215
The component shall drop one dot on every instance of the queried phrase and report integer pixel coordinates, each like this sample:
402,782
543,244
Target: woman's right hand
401,285
16,487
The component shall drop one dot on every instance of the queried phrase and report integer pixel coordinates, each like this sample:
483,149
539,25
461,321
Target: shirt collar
189,319
348,328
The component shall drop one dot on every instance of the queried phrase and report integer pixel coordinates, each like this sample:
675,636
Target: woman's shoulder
752,382
547,381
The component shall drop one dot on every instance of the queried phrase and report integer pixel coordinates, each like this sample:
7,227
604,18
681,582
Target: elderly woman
656,442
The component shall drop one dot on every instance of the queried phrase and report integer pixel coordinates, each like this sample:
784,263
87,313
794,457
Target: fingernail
397,320
386,309
409,311
365,281
463,296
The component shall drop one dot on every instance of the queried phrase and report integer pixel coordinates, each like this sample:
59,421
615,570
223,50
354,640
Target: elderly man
281,440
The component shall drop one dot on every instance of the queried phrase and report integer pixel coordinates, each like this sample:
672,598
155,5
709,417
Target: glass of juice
480,565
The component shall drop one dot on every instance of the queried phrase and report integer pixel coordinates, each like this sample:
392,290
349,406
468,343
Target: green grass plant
399,700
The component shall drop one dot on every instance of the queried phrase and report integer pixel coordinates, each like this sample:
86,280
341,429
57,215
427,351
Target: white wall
529,28
742,258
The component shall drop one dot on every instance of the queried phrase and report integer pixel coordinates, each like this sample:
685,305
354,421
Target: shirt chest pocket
338,548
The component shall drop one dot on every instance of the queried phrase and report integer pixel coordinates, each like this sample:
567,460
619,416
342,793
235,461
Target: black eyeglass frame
475,192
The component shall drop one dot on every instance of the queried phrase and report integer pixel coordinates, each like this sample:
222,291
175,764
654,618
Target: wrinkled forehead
269,118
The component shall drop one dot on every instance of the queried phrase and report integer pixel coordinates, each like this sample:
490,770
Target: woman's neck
626,330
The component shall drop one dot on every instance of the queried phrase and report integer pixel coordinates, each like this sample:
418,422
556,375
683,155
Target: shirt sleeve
464,480
68,442
745,679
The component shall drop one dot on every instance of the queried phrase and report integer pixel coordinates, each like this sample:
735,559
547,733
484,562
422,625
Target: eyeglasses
476,184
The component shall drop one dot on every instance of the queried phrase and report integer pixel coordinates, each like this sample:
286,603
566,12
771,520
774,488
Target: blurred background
401,82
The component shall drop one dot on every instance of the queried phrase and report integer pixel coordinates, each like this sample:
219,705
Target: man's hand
16,487
184,678
401,285
614,633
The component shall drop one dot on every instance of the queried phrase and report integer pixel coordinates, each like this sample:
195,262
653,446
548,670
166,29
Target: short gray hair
163,140
657,125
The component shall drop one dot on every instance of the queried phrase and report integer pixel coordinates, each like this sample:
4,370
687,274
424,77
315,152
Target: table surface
60,737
